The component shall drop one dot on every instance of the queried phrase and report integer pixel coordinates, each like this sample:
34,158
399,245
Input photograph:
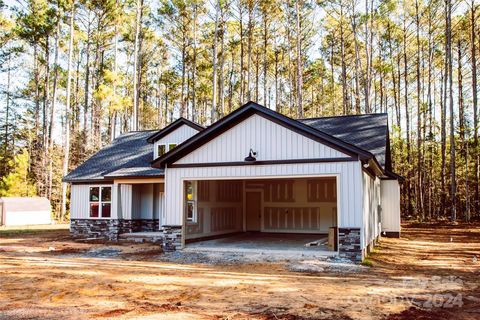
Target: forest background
75,74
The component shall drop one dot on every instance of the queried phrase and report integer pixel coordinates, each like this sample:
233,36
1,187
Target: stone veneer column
171,238
349,244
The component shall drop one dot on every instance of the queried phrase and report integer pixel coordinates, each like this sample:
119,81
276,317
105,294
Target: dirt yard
432,272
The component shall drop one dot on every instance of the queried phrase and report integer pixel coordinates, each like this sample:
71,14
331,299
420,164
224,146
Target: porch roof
128,155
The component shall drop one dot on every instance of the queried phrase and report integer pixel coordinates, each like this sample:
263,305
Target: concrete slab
284,244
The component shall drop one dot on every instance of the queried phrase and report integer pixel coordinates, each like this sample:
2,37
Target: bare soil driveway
430,273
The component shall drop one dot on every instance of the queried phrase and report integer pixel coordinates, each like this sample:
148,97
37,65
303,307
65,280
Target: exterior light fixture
251,156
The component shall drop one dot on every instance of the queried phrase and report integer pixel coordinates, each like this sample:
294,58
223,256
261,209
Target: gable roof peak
172,127
246,111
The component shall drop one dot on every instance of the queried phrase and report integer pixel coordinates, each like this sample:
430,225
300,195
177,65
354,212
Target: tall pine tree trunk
453,182
407,119
135,123
475,106
299,61
66,156
419,188
214,64
53,109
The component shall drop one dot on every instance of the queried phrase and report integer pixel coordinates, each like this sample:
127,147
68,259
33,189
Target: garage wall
218,212
371,209
293,205
349,185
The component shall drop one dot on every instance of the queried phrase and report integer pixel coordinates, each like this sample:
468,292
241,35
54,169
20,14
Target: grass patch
367,262
14,232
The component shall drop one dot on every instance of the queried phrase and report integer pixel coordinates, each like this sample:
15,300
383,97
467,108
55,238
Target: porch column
125,203
116,198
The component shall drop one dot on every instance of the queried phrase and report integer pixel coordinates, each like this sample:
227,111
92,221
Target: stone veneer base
109,229
172,237
349,244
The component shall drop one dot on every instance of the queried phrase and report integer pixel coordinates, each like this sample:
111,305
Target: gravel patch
102,253
296,264
331,265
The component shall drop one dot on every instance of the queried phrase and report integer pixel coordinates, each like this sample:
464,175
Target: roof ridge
346,115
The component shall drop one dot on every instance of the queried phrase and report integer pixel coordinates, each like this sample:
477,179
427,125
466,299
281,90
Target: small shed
16,211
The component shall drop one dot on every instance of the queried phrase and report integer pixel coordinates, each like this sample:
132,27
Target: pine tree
17,183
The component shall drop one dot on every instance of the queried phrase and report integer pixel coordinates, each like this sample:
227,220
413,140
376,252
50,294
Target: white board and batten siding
271,141
371,209
390,206
79,201
177,136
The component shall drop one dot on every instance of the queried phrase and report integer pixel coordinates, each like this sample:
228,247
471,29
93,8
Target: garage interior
297,214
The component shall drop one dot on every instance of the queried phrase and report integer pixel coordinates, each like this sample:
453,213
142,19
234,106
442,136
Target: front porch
106,210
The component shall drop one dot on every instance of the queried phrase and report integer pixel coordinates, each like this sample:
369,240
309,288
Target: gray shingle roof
368,131
131,154
128,155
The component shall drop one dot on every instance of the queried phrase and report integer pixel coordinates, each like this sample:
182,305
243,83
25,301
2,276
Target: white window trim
194,219
100,202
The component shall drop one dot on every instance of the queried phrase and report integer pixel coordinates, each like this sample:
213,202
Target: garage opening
261,214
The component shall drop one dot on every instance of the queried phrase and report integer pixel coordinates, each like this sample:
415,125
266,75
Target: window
100,202
162,149
191,205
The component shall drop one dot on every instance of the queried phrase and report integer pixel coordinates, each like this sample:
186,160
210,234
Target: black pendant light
251,156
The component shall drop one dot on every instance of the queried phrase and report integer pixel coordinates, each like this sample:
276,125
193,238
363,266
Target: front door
253,210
